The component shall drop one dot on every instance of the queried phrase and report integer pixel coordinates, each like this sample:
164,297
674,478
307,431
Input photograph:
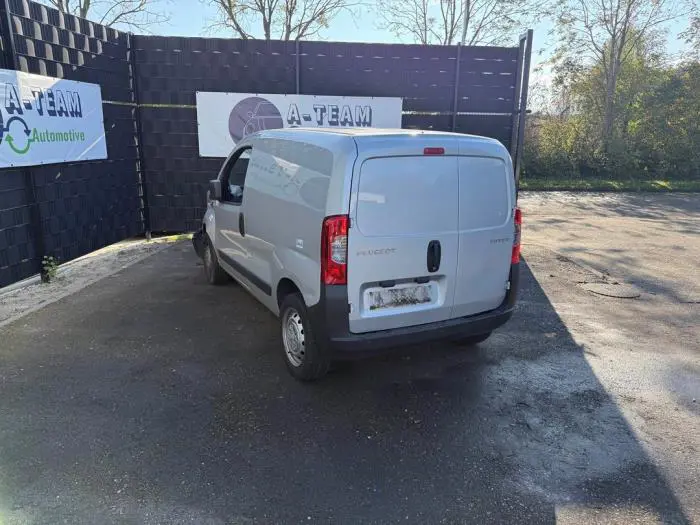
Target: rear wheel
305,360
215,273
472,339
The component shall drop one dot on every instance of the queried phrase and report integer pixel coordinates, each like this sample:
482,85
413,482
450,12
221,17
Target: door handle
434,256
241,224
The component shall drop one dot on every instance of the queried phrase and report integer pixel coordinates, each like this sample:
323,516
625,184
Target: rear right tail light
334,250
518,220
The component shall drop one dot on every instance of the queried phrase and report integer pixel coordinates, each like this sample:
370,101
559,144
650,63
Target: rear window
407,195
484,198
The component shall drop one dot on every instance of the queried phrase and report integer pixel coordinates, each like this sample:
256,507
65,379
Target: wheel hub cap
293,337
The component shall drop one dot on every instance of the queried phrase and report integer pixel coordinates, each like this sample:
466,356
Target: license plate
406,295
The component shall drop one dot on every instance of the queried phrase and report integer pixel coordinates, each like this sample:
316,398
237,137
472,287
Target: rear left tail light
515,257
334,250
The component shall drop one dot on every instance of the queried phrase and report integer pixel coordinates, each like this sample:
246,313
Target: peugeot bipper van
363,239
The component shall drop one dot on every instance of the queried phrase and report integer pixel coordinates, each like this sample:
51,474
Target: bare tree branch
283,19
129,14
470,22
691,36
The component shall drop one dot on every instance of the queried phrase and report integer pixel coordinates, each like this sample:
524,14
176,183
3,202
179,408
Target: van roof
373,131
369,132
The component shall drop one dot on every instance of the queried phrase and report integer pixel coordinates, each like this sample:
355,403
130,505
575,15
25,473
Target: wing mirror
214,193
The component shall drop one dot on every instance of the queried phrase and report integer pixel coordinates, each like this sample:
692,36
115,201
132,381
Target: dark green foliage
656,129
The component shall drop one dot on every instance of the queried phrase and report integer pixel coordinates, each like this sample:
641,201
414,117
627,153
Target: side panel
486,201
285,202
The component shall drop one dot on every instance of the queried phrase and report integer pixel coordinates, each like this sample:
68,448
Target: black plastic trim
434,256
198,242
331,325
254,279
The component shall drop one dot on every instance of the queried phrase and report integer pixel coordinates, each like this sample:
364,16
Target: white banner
45,120
225,118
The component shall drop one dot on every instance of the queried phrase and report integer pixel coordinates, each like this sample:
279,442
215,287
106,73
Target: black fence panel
78,207
434,122
487,78
18,257
487,125
177,176
86,206
423,75
172,69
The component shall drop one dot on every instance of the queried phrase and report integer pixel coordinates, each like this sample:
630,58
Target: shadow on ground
633,205
151,397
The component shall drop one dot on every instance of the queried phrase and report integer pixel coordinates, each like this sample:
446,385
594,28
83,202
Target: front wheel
305,359
472,340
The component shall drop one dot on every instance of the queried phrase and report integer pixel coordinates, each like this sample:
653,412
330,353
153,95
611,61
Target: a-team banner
45,120
225,118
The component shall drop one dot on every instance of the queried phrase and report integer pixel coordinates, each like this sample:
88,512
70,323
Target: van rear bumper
329,320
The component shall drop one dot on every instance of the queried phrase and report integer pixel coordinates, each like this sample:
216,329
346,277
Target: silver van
363,239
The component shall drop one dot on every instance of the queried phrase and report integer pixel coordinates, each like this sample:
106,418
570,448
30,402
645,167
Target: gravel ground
151,397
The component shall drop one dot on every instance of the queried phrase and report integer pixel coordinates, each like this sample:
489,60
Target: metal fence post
516,100
139,135
523,107
11,62
456,89
298,65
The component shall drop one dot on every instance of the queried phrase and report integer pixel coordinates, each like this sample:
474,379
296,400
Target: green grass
534,184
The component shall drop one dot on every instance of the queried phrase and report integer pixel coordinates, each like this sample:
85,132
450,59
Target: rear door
402,245
486,231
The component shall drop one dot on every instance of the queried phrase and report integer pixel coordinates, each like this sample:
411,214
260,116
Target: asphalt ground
151,397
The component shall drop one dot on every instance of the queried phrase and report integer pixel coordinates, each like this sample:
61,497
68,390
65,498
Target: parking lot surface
151,397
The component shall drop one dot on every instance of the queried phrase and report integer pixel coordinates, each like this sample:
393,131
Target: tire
305,359
216,275
472,339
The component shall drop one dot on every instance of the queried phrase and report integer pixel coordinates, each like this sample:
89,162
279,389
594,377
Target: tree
446,22
656,132
606,33
663,128
282,19
133,14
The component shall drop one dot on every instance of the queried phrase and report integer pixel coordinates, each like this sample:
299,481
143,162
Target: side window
234,180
